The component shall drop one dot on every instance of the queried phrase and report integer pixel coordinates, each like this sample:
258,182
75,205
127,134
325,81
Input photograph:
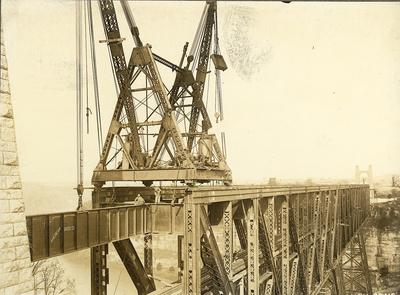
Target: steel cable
94,76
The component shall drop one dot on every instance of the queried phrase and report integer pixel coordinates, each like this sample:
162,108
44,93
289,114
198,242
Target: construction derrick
147,122
275,240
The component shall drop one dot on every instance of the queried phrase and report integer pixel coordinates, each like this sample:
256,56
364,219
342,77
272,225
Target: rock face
15,266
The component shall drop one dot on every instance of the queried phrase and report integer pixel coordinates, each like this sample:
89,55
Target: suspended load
219,62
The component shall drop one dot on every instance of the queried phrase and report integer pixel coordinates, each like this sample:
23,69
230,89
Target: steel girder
238,240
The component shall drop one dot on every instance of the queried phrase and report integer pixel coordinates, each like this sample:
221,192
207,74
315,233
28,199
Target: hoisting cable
195,48
79,104
88,110
94,75
218,87
131,23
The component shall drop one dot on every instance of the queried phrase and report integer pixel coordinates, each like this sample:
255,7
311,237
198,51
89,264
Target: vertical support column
228,238
99,270
293,276
148,253
298,262
285,248
305,237
191,249
180,257
253,248
346,217
98,260
334,245
311,259
271,222
339,227
324,233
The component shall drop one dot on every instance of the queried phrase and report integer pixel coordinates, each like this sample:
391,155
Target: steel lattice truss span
275,240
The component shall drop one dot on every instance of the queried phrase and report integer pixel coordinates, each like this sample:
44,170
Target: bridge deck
285,238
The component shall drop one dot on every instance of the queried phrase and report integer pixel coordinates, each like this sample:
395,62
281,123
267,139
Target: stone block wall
15,266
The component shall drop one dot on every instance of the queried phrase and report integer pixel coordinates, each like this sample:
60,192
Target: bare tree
49,279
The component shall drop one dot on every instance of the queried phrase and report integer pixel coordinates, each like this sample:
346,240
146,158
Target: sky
312,88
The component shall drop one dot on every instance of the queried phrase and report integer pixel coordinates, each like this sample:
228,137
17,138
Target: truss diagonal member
160,142
240,225
267,251
126,251
294,239
312,256
126,152
241,232
335,283
209,235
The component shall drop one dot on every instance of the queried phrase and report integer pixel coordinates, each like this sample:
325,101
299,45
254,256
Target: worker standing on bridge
139,200
157,194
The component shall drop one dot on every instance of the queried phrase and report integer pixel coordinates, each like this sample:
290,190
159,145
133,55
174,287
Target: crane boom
125,99
201,73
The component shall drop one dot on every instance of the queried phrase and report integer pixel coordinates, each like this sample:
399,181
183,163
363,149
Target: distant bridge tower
360,175
365,177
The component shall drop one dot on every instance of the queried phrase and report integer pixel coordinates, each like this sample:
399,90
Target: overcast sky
312,89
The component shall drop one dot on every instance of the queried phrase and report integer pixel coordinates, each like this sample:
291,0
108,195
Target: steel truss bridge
275,239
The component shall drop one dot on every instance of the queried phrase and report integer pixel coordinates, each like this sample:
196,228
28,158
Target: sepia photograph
199,147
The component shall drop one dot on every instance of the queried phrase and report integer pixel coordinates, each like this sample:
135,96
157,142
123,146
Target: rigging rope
94,76
88,110
79,102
